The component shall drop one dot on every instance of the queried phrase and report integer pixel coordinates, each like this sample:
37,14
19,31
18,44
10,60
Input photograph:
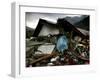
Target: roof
85,32
68,27
60,23
40,25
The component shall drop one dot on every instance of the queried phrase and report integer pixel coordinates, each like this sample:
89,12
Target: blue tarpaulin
62,43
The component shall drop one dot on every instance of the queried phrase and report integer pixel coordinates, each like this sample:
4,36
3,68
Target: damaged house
51,31
45,28
49,34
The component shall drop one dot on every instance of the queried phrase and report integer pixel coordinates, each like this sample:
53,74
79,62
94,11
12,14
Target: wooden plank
44,57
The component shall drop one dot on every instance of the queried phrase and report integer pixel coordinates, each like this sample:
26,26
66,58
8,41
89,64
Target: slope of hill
75,19
83,24
29,32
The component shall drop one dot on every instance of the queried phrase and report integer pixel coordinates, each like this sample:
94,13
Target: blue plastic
62,43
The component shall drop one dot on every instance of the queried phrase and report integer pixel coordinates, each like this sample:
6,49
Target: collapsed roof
61,23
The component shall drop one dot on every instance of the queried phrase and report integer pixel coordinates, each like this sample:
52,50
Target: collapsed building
45,28
48,33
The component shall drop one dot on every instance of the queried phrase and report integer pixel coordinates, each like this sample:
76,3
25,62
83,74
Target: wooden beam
43,58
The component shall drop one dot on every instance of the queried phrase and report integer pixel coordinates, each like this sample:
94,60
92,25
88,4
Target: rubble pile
76,54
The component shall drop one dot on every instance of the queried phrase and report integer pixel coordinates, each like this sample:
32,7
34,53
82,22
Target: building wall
48,29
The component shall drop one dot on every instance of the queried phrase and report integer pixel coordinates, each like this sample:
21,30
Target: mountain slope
29,32
83,24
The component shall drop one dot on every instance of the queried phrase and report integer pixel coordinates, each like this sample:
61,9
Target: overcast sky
33,18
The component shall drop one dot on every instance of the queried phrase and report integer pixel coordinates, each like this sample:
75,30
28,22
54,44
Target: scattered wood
44,57
79,56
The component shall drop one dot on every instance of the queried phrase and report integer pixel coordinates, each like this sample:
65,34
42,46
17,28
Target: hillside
83,24
29,32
